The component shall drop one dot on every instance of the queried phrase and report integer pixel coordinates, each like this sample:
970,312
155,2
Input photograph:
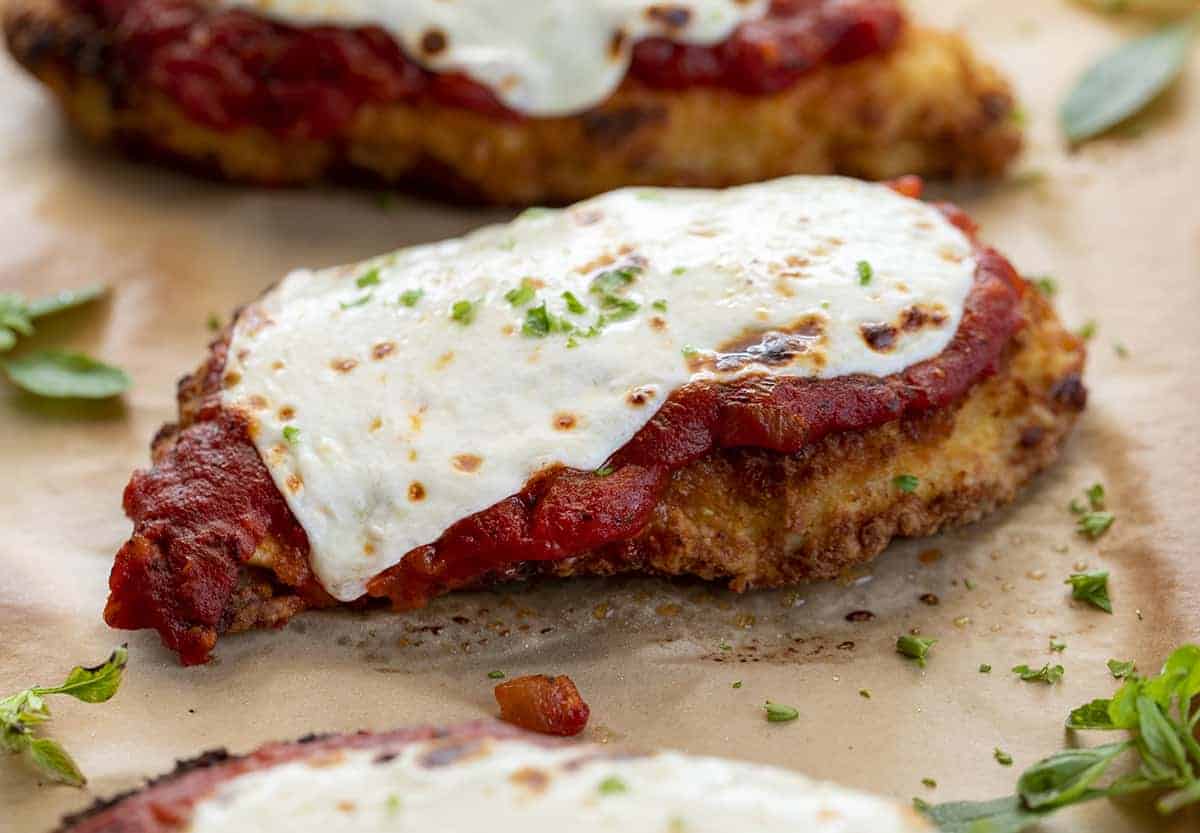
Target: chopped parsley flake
495,675
368,278
574,305
736,684
779,713
1057,647
1091,587
929,782
725,646
660,305
1002,757
357,302
678,270
614,280
392,804
523,294
915,647
463,312
906,483
1088,330
1046,285
1119,669
612,785
1048,674
291,433
214,322
689,351
538,323
969,584
604,471
865,273
920,804
864,693
410,297
984,668
1094,524
1076,506
1095,495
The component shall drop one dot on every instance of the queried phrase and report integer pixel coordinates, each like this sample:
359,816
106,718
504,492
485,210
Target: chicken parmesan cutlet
480,778
525,101
759,386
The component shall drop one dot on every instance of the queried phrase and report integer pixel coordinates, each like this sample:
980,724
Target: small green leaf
1094,524
368,278
779,713
906,483
1087,330
357,302
865,272
1065,777
63,375
1057,646
1122,83
915,647
94,684
523,294
1000,815
612,785
1002,757
292,434
463,312
409,297
495,675
1093,715
1095,496
1119,669
65,300
614,280
660,305
574,305
52,761
1046,285
984,668
1048,674
1091,587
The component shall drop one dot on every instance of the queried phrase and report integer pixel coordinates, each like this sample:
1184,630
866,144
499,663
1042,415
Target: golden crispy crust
927,107
760,519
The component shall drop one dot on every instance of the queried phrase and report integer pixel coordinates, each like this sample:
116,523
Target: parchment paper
1117,223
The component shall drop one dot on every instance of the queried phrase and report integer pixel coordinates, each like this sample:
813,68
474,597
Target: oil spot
344,365
564,421
416,491
433,42
287,413
383,349
466,462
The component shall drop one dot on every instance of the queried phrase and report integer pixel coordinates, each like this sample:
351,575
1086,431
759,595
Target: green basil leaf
1066,777
1160,738
1120,670
65,300
1122,709
1000,815
52,761
1122,83
1093,715
8,339
96,684
63,375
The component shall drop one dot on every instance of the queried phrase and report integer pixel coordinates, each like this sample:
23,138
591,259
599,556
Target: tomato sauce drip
230,68
202,510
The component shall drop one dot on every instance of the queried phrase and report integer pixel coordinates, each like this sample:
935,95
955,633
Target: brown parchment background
1117,223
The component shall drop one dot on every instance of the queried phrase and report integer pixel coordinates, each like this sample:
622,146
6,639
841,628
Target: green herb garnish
409,297
1094,524
368,278
21,713
906,483
1124,82
660,305
1002,757
495,675
1057,646
1095,495
1091,587
1088,330
864,693
463,312
779,713
60,375
984,668
1048,674
574,305
1046,285
1160,713
612,785
736,684
523,294
357,302
291,433
865,273
915,647
1119,669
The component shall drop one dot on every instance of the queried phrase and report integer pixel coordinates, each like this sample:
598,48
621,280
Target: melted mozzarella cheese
385,417
513,785
540,57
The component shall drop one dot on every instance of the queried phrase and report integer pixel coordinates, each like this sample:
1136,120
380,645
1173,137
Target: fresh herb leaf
915,647
22,712
660,305
537,322
1057,646
1002,757
779,713
1119,669
1000,815
864,693
906,483
1091,587
357,302
1123,82
614,280
368,278
1076,506
291,433
1048,674
523,294
984,668
736,684
604,471
409,297
574,305
1088,330
678,270
929,782
495,675
61,375
1094,524
463,312
1095,496
612,785
865,272
64,300
1066,777
618,308
1093,715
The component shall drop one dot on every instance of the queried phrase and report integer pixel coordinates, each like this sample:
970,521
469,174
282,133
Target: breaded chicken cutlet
759,386
717,93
